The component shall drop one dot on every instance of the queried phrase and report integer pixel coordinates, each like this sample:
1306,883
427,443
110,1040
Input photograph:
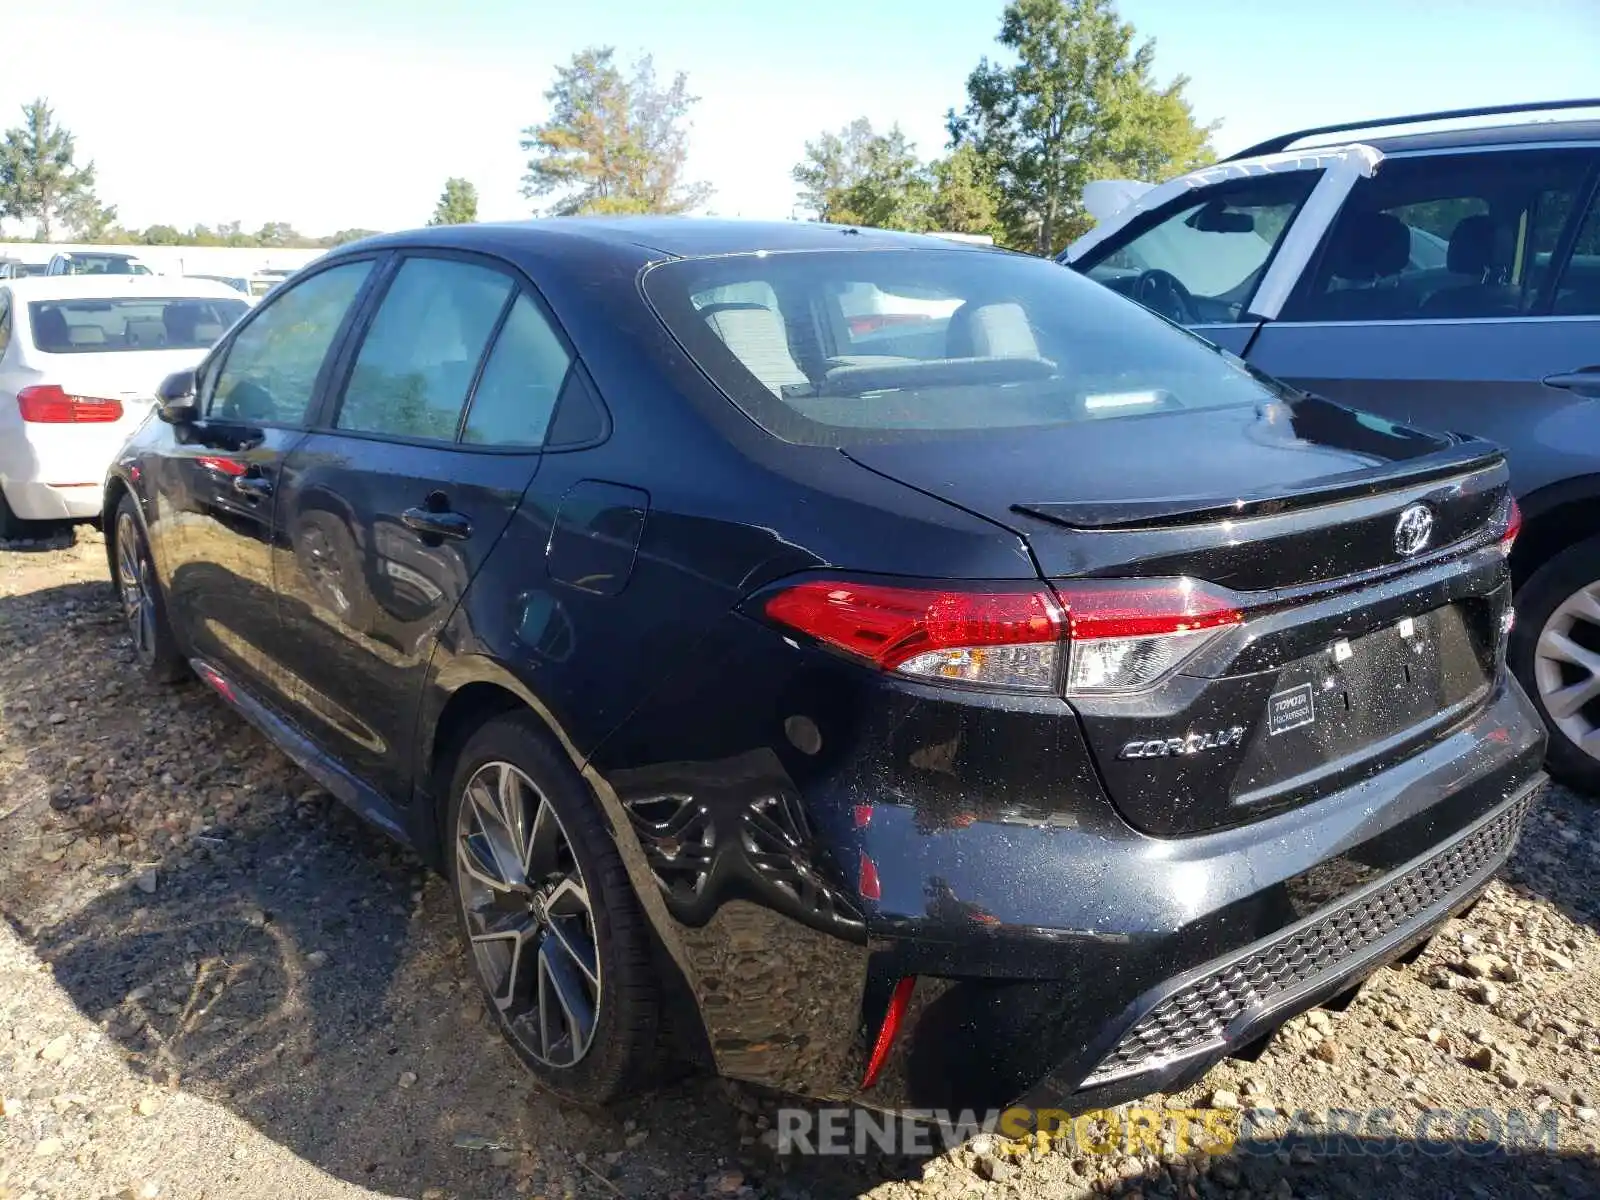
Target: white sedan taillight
48,404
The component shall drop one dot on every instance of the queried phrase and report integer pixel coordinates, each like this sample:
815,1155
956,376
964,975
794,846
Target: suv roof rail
1284,141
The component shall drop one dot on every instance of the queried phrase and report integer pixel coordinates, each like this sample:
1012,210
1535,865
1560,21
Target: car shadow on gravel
305,974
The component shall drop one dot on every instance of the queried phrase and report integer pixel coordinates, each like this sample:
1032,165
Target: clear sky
332,114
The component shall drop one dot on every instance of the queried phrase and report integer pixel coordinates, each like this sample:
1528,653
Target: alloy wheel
137,589
528,915
1566,668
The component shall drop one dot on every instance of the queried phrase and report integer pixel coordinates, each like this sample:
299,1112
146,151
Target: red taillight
887,1031
989,637
1144,608
1118,635
48,404
1508,539
1127,634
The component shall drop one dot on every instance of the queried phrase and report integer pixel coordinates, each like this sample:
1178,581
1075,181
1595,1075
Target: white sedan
80,359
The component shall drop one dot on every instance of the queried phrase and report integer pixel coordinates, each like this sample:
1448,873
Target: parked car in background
97,262
1448,278
15,268
80,358
1023,699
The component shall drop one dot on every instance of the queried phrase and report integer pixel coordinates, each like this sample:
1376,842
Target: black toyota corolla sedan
862,664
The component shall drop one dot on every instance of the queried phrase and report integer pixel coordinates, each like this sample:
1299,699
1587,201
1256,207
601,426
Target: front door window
1201,262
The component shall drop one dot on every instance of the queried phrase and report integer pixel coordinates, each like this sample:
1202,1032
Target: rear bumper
46,502
1146,960
1176,1032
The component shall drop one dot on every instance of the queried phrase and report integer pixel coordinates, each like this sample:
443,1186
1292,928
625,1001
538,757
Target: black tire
1538,602
622,1054
155,648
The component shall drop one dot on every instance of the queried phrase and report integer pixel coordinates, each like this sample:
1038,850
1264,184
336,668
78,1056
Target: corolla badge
1194,743
1413,531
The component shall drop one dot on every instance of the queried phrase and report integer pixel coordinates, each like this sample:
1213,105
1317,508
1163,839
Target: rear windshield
833,347
84,326
105,264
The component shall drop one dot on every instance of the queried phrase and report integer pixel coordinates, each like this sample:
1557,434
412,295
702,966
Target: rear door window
270,368
517,392
1444,237
1577,290
1201,261
421,354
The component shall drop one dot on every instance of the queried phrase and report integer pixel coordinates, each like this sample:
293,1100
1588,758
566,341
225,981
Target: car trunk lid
1365,628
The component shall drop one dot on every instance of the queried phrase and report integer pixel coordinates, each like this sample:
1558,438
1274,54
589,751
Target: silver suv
1446,277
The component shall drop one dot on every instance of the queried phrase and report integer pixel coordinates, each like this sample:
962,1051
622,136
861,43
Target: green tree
162,235
346,235
38,177
458,204
965,199
860,177
1077,104
613,143
87,220
277,233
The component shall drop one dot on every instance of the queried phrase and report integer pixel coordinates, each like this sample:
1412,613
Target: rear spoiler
1467,456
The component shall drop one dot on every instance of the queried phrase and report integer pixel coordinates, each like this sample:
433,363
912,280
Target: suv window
1215,249
1578,290
419,357
5,323
1443,236
512,404
271,366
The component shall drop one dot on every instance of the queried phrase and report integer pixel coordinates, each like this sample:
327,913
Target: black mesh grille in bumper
1197,1016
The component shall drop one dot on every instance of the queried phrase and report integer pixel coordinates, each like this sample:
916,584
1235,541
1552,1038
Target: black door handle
253,487
436,524
1586,381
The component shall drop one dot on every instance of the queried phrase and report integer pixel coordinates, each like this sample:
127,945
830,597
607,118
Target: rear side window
517,392
90,326
1440,237
271,366
834,347
5,323
1214,250
1577,292
418,360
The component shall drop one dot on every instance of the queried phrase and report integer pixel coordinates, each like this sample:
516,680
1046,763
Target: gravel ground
214,982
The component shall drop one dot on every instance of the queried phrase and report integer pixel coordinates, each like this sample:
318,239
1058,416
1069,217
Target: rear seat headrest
1471,250
1370,246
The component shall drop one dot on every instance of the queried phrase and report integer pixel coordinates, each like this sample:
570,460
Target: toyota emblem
1413,531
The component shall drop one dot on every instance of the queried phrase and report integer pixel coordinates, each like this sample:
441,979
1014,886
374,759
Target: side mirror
176,401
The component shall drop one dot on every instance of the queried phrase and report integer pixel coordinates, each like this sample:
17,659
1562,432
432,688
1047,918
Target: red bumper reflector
1508,539
871,887
888,1030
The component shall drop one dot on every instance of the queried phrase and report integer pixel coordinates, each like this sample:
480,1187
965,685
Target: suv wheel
554,931
1555,652
143,606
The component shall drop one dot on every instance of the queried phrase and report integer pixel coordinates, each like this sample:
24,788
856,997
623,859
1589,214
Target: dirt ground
214,982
